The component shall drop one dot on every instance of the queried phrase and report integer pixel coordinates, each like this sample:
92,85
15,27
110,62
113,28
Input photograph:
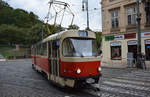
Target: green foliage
3,4
18,17
73,27
10,51
99,39
17,26
11,34
34,34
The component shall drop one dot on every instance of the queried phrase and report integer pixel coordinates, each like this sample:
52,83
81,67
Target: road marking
127,85
121,90
130,81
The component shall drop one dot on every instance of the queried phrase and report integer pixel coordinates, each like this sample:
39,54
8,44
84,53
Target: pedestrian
143,57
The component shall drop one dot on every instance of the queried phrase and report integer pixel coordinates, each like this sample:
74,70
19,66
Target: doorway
132,48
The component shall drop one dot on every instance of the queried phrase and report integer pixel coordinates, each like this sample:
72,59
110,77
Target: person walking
143,57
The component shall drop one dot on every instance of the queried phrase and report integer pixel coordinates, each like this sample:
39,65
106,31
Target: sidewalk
114,65
118,66
2,58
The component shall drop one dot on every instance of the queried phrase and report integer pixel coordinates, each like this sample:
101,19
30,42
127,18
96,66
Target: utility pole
139,65
87,9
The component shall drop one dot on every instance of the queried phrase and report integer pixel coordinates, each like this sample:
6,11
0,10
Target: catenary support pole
139,65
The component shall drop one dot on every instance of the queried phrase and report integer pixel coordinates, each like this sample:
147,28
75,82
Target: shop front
116,48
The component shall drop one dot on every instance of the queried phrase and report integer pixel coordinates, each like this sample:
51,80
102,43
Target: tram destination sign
83,33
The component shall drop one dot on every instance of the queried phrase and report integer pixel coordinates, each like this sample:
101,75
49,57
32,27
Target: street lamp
139,65
85,2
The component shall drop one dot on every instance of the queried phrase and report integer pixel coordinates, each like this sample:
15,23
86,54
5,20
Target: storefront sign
116,44
145,34
109,38
147,41
119,37
133,42
130,36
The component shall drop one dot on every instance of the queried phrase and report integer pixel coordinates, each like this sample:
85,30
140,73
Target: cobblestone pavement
17,79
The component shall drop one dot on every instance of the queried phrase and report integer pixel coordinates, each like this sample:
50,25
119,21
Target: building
119,31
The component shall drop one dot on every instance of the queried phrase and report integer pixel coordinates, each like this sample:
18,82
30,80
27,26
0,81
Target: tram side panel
43,63
40,60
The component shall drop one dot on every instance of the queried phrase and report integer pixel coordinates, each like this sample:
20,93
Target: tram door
54,57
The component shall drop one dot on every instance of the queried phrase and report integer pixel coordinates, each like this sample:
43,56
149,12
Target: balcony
115,30
131,27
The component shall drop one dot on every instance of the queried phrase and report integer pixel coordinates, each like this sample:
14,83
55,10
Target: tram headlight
78,71
99,69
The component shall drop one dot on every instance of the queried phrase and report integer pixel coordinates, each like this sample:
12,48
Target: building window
116,51
114,19
131,16
148,18
147,49
147,9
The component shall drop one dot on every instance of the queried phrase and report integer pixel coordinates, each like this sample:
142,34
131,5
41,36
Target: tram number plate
90,80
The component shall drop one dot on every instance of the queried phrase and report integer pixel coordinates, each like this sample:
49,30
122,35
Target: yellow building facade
119,31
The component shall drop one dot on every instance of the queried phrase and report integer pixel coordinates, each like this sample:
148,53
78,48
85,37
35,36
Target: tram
69,58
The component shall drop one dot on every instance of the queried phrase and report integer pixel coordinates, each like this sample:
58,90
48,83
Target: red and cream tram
68,58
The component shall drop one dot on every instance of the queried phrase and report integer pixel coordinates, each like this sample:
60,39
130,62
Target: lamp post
139,65
87,9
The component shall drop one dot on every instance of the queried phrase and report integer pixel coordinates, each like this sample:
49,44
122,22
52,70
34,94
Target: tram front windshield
78,47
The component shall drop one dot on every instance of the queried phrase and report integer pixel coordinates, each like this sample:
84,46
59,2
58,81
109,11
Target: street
18,79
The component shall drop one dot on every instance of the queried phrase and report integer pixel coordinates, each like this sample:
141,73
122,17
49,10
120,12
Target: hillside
17,25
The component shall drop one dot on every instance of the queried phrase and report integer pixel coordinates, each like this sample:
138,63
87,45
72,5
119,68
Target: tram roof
56,35
71,33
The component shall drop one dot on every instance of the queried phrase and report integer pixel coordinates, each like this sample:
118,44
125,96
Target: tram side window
55,47
68,49
32,50
39,50
44,49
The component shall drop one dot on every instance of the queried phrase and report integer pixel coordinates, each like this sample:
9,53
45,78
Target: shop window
116,51
147,49
148,18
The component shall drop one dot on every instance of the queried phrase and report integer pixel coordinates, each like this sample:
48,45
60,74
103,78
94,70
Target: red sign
146,33
129,36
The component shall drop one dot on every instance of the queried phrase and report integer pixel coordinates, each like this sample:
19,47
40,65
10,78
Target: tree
75,27
3,4
12,35
34,34
99,39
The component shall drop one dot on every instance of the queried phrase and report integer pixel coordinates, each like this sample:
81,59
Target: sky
40,8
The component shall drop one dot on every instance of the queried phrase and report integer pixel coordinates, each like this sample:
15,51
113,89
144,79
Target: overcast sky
40,8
